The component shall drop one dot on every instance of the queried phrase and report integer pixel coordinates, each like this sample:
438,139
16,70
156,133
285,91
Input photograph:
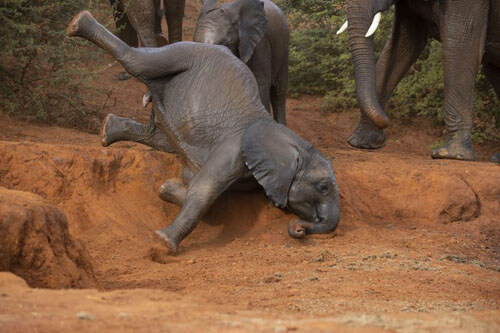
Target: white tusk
343,28
374,26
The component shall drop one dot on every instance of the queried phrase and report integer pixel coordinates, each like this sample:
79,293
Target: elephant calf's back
202,106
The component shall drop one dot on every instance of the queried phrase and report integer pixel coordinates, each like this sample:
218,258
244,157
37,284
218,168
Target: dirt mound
386,187
106,187
36,245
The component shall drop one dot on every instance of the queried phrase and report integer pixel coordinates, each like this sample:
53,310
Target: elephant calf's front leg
224,167
174,191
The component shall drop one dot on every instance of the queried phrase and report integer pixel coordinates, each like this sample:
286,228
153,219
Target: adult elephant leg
161,40
116,128
463,34
406,41
260,65
174,14
493,74
124,29
142,14
405,44
278,95
263,81
203,190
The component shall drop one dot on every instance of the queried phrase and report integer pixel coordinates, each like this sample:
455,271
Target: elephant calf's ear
253,26
270,152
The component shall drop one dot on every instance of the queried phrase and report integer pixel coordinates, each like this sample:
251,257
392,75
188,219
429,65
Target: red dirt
35,243
418,246
416,235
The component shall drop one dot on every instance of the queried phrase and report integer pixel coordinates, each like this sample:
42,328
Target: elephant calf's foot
165,236
454,151
174,191
79,23
111,130
367,137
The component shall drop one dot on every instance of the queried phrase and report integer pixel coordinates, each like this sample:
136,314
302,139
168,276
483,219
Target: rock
83,315
123,315
36,245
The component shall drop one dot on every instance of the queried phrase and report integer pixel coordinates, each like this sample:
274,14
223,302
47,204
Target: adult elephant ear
208,5
274,155
252,27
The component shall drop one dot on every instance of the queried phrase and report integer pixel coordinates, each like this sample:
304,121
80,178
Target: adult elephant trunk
360,17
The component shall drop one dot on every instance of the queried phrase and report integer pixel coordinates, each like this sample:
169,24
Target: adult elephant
257,32
140,21
210,113
470,35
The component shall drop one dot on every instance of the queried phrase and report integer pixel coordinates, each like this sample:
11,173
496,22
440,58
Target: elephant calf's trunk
299,228
295,229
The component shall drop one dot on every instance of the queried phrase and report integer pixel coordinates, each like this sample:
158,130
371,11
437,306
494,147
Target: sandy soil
418,246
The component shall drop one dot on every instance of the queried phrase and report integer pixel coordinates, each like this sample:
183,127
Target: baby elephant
210,114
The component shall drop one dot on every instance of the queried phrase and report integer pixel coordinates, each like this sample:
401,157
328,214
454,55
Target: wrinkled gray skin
256,32
140,21
210,112
470,35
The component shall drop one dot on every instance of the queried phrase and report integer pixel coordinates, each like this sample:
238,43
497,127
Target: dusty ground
418,246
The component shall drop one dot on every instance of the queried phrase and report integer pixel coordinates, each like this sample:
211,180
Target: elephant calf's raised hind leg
116,128
144,63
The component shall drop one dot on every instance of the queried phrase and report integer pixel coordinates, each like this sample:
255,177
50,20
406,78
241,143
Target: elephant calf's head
239,25
293,174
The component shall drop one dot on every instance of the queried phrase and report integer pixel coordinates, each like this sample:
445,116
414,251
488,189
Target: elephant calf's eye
323,188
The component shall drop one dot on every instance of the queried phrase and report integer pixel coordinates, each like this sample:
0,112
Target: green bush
320,64
43,74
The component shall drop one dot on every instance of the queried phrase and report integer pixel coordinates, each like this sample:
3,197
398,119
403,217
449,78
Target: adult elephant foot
496,158
174,191
367,135
454,150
